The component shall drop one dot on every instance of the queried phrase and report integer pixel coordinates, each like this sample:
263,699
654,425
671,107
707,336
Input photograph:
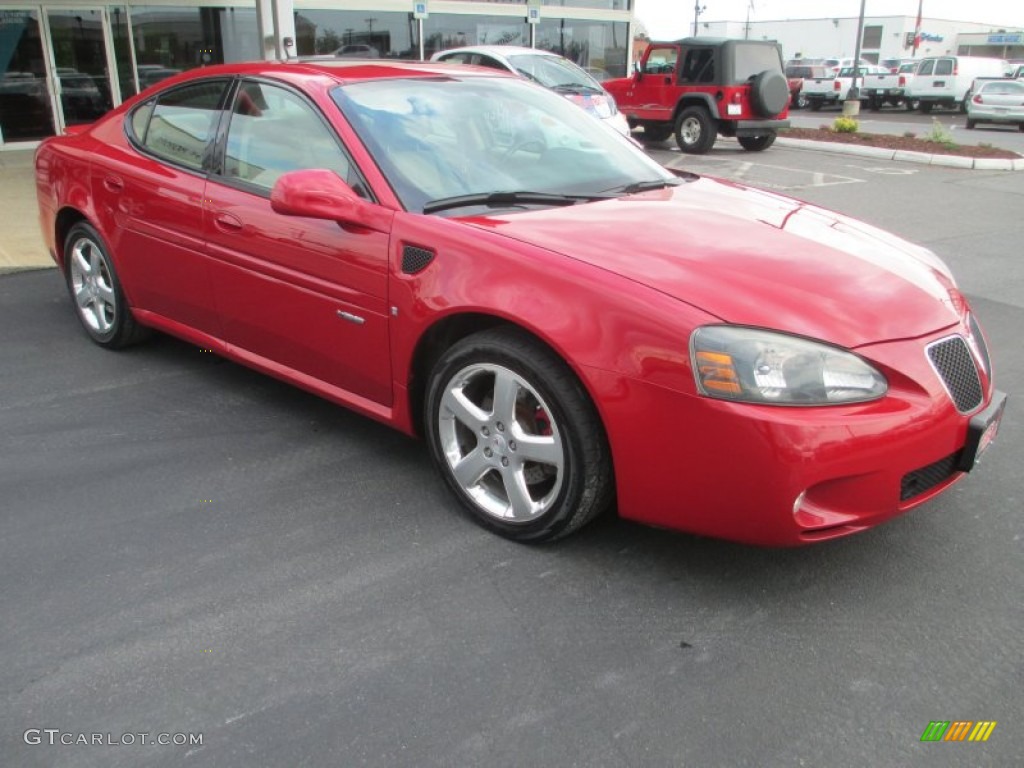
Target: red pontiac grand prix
570,327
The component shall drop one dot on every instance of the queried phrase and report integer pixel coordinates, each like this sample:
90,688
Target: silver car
997,101
548,69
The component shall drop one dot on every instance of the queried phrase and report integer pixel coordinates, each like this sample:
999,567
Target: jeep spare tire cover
769,93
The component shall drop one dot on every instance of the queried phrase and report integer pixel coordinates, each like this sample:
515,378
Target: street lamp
698,9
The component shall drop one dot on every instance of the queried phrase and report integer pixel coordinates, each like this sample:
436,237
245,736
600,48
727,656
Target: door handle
113,184
227,222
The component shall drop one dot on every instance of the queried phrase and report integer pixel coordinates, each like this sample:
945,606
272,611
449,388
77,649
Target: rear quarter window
179,125
751,60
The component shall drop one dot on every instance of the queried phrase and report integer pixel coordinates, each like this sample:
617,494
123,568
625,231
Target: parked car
567,324
945,81
881,88
357,51
821,92
997,101
547,69
796,74
699,88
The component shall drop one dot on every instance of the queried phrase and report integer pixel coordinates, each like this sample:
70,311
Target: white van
946,80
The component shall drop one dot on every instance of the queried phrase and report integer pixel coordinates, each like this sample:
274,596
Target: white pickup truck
890,87
820,91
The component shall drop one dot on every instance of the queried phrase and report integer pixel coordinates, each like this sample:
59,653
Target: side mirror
321,194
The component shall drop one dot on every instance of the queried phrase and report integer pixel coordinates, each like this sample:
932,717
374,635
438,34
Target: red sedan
571,327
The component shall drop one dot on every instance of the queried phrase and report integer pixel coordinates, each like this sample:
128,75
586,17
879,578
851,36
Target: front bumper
784,476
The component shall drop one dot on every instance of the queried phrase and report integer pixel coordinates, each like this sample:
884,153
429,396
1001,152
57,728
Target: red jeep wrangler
699,87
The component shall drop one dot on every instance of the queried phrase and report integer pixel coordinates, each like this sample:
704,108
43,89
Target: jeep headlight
755,366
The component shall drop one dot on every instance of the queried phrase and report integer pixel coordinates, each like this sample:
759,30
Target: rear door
297,295
154,191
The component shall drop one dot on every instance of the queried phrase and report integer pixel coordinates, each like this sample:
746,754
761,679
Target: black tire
1020,127
756,143
695,131
911,105
925,107
475,448
815,104
971,124
963,104
801,101
874,104
655,132
769,93
92,281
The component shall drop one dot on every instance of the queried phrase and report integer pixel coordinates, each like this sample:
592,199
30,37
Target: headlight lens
755,366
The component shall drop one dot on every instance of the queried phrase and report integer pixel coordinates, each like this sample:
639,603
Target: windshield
445,137
552,71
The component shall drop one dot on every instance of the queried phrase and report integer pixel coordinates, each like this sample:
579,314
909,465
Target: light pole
698,9
851,107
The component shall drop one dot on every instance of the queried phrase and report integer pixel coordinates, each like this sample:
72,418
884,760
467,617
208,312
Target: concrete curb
949,161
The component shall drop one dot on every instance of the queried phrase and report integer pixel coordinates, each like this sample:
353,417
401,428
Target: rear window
751,60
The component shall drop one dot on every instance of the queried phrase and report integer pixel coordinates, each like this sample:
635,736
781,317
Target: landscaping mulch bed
886,141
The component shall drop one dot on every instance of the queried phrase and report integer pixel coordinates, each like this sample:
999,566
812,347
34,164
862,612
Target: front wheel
695,131
94,287
756,143
515,436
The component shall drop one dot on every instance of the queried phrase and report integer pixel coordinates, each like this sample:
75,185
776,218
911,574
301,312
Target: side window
944,67
661,61
181,123
487,61
273,131
698,66
927,67
455,58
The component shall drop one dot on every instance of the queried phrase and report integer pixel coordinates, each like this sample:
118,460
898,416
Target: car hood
756,258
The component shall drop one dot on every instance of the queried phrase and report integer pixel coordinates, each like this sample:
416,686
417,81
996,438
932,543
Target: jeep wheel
654,133
756,143
695,131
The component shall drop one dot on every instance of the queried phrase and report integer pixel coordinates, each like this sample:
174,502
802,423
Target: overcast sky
671,19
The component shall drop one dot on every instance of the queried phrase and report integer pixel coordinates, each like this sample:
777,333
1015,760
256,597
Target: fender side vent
415,259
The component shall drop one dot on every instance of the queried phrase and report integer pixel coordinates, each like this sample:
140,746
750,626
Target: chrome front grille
953,361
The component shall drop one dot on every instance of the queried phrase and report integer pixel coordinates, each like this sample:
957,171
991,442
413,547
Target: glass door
25,112
81,61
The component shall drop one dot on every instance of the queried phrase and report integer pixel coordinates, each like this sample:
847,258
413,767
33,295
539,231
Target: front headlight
755,366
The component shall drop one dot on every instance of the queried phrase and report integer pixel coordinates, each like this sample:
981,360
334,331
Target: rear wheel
911,105
815,104
94,287
695,131
801,101
971,124
926,107
756,143
516,437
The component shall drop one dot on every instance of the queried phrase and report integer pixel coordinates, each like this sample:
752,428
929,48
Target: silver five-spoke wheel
92,285
516,437
500,442
92,281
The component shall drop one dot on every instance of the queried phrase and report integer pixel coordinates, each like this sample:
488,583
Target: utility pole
698,9
851,107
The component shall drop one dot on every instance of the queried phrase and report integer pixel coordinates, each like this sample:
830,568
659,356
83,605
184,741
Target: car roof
498,50
341,71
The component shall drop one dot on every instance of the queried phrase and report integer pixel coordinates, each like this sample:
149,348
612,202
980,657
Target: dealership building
67,62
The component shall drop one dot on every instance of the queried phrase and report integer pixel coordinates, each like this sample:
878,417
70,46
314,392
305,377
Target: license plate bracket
981,431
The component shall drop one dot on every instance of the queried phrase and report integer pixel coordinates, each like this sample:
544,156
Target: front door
82,73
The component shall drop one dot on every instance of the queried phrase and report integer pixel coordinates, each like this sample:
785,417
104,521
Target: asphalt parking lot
192,548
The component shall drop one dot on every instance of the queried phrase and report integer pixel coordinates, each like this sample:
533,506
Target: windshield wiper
645,186
494,199
575,88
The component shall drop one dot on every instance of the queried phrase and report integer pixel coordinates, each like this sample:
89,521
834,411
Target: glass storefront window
24,96
447,30
171,39
356,34
597,46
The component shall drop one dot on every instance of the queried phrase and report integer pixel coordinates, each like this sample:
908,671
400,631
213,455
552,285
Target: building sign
930,38
1016,38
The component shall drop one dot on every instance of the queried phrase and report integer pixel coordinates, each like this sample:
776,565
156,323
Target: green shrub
909,135
845,125
940,135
